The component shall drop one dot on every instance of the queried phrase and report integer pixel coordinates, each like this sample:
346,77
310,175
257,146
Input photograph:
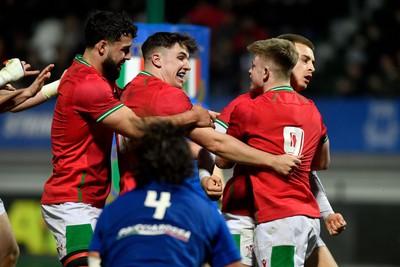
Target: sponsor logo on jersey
154,229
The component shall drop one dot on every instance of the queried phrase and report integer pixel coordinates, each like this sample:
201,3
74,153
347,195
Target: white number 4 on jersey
160,205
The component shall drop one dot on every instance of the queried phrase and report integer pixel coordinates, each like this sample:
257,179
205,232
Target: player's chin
214,197
178,83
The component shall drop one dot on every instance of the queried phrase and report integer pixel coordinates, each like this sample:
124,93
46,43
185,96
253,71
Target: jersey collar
146,73
282,88
80,59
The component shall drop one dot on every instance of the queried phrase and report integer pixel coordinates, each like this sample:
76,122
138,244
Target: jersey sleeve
226,111
240,120
95,98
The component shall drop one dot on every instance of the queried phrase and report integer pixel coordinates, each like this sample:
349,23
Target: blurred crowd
357,45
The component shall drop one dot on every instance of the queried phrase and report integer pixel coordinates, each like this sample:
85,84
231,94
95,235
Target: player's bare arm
19,96
232,149
125,122
196,117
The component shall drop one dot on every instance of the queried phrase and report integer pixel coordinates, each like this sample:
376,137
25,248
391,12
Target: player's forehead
304,51
179,50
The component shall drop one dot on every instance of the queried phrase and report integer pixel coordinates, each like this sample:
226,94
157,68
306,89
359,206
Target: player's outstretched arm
14,69
232,149
48,91
22,95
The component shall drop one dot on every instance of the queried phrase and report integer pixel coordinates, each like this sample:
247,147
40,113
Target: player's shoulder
239,99
244,103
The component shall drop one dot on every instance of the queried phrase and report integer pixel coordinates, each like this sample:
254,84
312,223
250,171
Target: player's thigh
242,230
71,224
285,242
321,257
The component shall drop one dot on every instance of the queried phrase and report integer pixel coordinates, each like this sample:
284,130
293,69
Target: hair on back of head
163,155
297,38
109,26
280,51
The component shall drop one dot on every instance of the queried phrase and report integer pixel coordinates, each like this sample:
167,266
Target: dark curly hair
163,155
107,25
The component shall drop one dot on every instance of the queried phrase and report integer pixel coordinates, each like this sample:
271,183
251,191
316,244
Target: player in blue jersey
156,224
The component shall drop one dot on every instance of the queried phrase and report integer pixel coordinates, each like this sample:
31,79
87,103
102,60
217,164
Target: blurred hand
212,186
204,118
335,223
26,67
286,164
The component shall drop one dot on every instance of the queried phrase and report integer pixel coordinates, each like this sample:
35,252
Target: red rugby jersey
280,121
81,145
146,95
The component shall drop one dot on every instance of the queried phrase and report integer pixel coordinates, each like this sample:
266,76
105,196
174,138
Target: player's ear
156,59
266,73
101,46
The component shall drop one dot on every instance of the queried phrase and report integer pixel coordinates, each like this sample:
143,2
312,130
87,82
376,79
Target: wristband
94,262
12,71
50,90
203,173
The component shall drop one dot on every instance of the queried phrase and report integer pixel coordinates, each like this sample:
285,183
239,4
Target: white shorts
71,224
2,208
242,230
320,243
286,242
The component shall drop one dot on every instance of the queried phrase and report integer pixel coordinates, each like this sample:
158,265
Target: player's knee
76,259
14,254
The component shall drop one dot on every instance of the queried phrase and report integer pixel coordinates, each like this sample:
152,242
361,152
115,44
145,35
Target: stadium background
356,87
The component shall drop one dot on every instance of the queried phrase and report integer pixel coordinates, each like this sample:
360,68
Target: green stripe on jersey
222,123
106,114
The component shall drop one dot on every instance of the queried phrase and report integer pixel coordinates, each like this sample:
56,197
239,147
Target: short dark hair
297,38
163,155
107,25
167,40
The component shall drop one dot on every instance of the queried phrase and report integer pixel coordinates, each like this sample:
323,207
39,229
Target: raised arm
19,96
48,91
